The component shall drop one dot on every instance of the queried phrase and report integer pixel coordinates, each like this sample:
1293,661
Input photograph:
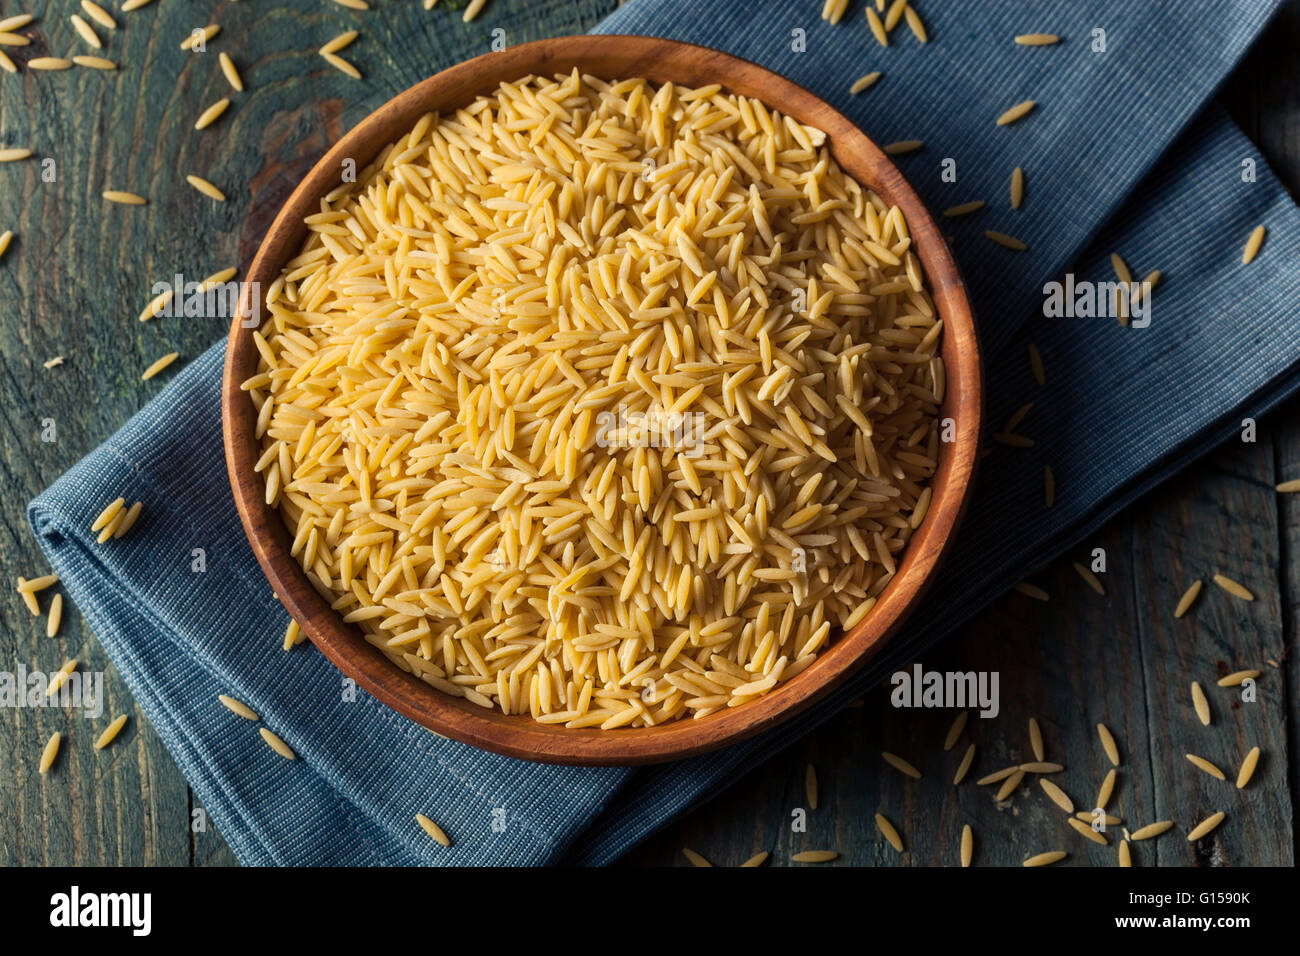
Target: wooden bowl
612,57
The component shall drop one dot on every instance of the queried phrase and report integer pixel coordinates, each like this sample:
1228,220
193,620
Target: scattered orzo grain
1150,282
1089,578
1236,678
99,14
962,768
1037,39
128,520
815,856
997,775
275,743
1087,831
16,22
954,732
1002,239
112,527
29,598
353,4
1012,440
231,72
156,305
474,9
212,113
1019,111
130,5
199,38
494,355
810,786
903,146
6,237
1151,830
1088,816
342,65
1253,245
1036,740
1106,789
1233,587
1041,766
94,62
158,365
1009,785
432,829
53,363
1031,591
1125,854
1044,859
217,278
293,635
1017,187
1188,599
238,707
964,209
1200,704
110,733
1289,487
1121,268
1206,826
877,27
205,187
901,765
758,859
1036,365
56,616
51,752
1017,417
61,675
914,24
833,10
1248,768
49,63
124,198
86,33
894,13
1205,765
967,845
1056,795
13,154
108,514
37,584
889,831
339,42
864,82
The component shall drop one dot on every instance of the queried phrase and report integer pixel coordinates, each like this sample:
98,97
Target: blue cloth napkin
1122,154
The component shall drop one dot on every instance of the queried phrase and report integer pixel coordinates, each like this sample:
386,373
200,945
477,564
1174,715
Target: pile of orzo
600,401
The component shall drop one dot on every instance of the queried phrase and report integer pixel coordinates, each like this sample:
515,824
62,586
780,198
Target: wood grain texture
133,805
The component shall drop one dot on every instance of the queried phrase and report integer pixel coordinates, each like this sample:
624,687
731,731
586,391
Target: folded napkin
1122,154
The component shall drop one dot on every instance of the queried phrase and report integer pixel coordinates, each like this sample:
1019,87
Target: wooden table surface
79,271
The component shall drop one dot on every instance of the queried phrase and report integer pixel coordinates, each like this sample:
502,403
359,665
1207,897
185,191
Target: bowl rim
659,60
